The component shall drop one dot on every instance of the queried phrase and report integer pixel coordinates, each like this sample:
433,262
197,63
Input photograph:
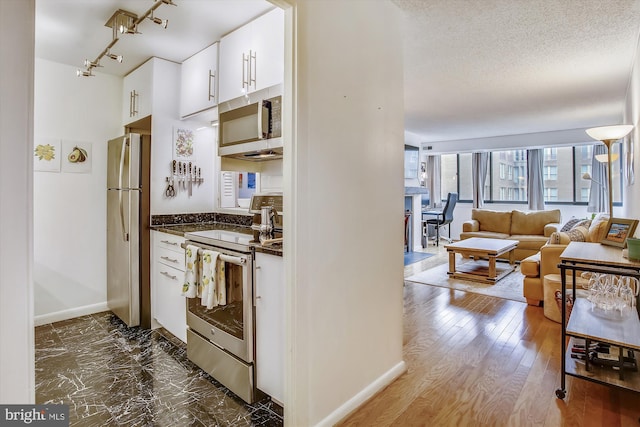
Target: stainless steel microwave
250,127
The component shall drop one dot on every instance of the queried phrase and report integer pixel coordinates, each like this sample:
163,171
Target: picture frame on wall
77,157
618,230
47,155
184,139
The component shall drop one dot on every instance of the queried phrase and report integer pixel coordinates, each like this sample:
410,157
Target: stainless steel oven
220,340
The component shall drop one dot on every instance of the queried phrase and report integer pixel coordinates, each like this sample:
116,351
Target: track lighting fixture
114,57
124,22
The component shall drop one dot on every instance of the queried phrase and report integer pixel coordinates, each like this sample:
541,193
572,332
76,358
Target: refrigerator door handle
125,145
125,235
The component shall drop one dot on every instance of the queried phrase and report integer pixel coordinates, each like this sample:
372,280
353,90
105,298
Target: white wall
70,208
17,24
343,181
632,116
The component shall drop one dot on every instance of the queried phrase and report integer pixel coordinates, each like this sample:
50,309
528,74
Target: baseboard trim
364,395
57,316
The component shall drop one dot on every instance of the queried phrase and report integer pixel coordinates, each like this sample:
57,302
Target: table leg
512,256
492,267
452,262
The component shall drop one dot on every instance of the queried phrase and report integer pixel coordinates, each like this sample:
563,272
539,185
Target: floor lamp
608,135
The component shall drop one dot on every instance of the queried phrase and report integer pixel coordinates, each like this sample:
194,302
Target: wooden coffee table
480,247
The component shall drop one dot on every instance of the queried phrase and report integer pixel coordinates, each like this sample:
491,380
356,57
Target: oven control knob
213,332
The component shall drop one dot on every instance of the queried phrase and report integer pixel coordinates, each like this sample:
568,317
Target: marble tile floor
111,375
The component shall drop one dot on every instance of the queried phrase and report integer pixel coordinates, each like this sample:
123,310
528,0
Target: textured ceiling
473,68
478,68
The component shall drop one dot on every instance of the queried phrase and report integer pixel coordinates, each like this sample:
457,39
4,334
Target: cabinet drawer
170,306
170,241
171,258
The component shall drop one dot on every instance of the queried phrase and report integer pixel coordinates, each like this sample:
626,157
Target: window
551,172
550,153
507,176
448,175
513,168
550,194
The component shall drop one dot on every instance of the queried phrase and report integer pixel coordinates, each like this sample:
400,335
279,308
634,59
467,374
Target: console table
623,333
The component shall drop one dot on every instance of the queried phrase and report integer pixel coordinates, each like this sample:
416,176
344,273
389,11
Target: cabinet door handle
130,104
253,70
245,71
168,242
212,76
166,258
164,273
135,103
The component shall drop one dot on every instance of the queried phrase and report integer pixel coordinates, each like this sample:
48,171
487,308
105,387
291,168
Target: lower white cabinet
270,349
168,306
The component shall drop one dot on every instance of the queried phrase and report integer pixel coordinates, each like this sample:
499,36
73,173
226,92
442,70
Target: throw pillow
598,228
569,225
578,234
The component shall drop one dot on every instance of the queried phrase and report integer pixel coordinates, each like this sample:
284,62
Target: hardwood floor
475,360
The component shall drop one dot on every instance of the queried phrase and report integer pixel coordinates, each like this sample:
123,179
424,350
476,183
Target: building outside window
551,172
550,194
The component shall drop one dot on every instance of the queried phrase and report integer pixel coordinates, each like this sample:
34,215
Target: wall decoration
629,173
76,157
618,230
183,143
46,155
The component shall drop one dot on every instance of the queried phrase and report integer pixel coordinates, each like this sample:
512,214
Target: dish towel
190,286
208,292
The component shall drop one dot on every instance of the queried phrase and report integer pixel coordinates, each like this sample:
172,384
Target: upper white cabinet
199,82
148,88
252,57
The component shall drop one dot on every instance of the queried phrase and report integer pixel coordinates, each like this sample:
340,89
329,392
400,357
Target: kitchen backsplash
198,218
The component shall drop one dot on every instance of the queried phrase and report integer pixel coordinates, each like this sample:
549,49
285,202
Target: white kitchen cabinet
270,349
199,82
148,88
168,306
252,57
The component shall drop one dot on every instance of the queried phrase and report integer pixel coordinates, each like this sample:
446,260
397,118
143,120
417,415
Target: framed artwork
46,155
618,230
76,156
183,143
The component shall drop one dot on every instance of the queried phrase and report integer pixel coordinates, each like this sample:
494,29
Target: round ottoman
552,283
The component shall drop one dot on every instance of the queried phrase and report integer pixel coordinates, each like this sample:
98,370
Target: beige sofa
546,261
530,229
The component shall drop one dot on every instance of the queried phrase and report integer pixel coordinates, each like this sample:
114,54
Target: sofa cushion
523,223
569,224
495,221
598,228
484,234
529,241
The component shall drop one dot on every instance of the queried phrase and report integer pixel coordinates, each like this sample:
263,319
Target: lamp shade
606,133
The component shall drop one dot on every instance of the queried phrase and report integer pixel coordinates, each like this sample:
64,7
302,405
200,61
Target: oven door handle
238,260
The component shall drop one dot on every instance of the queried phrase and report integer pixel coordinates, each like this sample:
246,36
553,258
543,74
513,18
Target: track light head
114,57
81,73
170,2
90,64
161,22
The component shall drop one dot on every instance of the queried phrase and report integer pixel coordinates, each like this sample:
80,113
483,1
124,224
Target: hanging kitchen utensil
190,179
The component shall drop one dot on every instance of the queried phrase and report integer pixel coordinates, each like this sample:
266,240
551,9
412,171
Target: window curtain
479,169
598,195
535,182
434,178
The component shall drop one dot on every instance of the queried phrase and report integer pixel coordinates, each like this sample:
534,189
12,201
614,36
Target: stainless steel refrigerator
127,230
